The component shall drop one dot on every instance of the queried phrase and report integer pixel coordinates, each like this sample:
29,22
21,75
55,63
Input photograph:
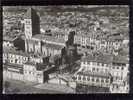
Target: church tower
32,27
32,23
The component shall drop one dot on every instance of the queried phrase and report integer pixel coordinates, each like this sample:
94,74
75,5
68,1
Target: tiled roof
14,51
7,38
95,74
120,59
114,38
13,65
30,63
105,58
41,66
49,38
57,47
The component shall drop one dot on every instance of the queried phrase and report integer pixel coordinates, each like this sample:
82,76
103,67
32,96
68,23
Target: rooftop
13,50
101,58
120,59
94,74
30,63
114,38
16,66
39,66
49,38
9,38
54,46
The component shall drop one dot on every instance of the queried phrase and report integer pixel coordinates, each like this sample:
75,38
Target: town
67,51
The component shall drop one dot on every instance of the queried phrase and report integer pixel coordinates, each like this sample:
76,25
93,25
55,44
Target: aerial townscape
65,49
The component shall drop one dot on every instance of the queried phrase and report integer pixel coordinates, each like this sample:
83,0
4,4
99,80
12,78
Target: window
11,61
102,80
84,78
92,79
97,80
88,63
107,81
93,69
15,60
25,71
79,78
88,78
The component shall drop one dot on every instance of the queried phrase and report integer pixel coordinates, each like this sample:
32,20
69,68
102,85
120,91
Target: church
37,43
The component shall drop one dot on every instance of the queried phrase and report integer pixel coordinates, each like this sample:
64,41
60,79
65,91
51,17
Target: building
32,23
37,72
37,43
96,62
11,55
93,79
104,70
8,41
94,71
13,71
120,73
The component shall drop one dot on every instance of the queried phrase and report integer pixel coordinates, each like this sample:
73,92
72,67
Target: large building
32,23
37,43
104,71
94,71
11,55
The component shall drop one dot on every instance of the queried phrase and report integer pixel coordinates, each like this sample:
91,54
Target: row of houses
22,66
87,42
104,71
25,67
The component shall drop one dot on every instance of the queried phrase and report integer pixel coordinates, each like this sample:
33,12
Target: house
13,71
112,71
96,62
13,56
93,79
120,67
30,72
94,70
120,72
8,41
37,72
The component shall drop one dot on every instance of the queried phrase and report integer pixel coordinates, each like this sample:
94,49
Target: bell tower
31,28
32,23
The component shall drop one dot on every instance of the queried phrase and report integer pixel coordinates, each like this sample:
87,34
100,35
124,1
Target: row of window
118,67
102,80
97,69
29,72
95,63
19,57
80,39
